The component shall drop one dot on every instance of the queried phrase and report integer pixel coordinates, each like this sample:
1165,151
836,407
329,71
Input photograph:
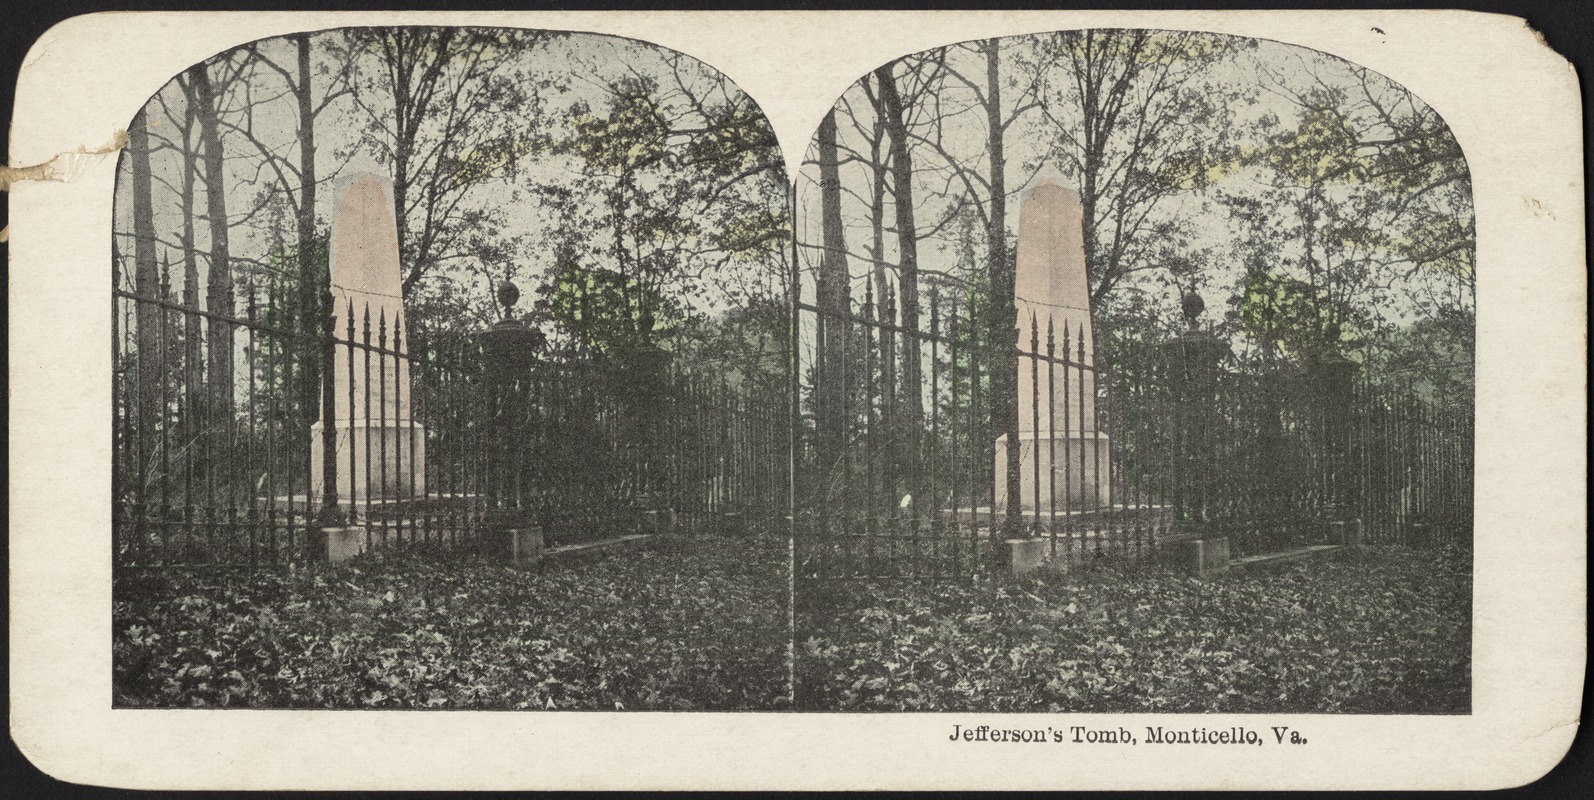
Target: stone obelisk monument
381,449
1051,284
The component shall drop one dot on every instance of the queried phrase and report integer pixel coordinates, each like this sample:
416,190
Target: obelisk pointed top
365,248
1048,180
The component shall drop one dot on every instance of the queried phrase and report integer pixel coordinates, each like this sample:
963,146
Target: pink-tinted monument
1051,284
379,443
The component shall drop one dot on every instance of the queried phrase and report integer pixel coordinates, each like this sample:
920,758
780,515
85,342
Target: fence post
1194,363
509,351
1334,377
337,539
1195,360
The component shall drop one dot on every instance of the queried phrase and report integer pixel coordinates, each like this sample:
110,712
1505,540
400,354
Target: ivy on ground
1381,631
680,624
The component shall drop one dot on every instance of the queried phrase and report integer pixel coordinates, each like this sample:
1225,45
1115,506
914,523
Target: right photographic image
1133,371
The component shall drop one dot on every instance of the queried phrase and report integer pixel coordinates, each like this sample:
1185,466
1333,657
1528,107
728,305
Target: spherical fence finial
508,296
1192,305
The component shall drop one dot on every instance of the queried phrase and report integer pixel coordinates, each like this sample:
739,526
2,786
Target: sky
583,62
1254,76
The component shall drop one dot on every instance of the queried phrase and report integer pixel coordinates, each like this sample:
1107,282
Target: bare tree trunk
877,208
307,174
1004,415
192,328
907,239
146,277
315,278
832,296
308,256
219,298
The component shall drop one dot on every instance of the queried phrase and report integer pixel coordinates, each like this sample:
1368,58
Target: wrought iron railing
903,467
429,440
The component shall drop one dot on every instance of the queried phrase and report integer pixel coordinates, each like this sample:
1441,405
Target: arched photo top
509,154
1310,205
1102,303
387,286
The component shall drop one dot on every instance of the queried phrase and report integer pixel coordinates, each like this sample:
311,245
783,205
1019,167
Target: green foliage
1321,149
298,301
633,135
1433,356
607,313
748,346
693,624
681,189
1386,631
1304,321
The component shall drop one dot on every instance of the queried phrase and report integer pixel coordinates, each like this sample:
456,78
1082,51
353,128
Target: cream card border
1512,103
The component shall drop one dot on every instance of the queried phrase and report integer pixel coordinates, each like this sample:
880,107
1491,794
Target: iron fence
891,464
348,419
910,467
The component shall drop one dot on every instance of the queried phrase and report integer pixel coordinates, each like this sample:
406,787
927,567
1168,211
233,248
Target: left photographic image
451,371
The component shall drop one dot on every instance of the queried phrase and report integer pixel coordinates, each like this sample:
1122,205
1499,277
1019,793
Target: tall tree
832,289
298,176
895,122
1136,121
985,192
219,293
446,110
184,123
278,73
146,269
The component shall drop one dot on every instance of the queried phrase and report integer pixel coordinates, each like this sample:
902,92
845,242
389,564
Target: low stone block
1027,555
1202,556
343,543
1346,533
1420,534
526,545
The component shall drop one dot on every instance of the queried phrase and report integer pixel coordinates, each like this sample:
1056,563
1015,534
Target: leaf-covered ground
1378,631
676,624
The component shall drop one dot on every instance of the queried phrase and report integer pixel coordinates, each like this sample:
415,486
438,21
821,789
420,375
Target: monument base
1078,480
525,545
340,544
382,460
1199,555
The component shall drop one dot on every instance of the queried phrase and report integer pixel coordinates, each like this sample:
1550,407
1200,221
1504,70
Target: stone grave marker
380,432
1051,284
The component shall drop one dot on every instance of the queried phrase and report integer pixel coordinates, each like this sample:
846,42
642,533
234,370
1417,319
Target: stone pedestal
525,545
1200,556
1346,533
1026,555
385,447
1079,467
339,544
649,522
